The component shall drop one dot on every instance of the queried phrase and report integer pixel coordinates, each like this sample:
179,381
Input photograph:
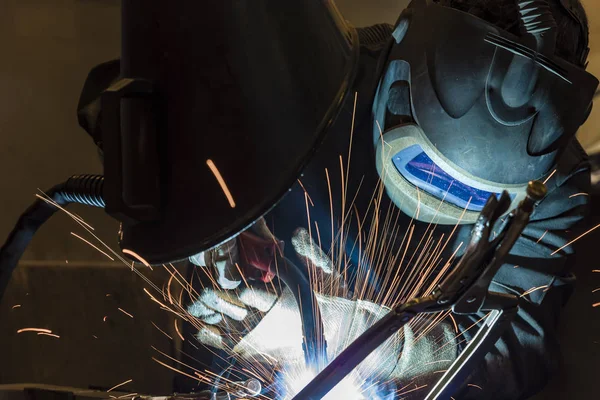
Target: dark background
62,284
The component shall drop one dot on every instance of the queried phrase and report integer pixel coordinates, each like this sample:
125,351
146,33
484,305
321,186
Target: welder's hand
224,259
227,315
326,278
243,269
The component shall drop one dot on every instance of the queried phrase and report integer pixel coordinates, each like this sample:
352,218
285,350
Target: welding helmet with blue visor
465,110
210,123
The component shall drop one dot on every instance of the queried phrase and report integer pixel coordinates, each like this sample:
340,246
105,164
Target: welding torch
464,291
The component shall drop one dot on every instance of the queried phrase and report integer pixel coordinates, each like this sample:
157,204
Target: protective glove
256,318
242,270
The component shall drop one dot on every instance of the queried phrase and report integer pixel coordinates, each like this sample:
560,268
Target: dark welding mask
465,110
219,106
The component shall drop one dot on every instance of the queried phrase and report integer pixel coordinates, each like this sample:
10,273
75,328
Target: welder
459,100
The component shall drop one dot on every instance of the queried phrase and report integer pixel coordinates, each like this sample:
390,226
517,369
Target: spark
475,386
305,191
596,270
578,194
596,305
104,319
412,390
92,245
177,330
125,312
454,323
551,175
176,370
138,257
34,330
95,337
540,239
16,306
48,334
127,395
534,289
221,181
595,290
75,217
163,332
119,385
576,239
169,288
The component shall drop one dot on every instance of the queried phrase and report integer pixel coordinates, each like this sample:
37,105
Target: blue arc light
420,170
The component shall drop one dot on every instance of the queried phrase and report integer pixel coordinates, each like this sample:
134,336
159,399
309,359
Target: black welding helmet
465,110
219,106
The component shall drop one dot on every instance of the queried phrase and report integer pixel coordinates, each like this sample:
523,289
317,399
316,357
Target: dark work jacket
528,353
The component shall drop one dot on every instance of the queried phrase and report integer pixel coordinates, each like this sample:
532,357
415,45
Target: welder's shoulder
573,162
570,185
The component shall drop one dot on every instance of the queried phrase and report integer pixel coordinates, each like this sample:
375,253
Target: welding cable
81,189
297,280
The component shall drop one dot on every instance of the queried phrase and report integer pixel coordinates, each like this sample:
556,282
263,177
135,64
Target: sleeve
538,271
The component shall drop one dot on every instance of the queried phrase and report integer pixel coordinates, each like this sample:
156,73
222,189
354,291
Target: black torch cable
82,189
297,280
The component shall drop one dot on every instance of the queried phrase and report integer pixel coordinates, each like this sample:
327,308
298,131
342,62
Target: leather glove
242,270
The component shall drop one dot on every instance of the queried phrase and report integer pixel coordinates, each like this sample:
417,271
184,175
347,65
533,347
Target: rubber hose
83,189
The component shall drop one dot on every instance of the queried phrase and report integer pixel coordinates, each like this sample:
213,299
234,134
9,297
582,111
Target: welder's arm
527,355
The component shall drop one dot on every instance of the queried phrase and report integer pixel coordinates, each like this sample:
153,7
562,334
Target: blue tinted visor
420,170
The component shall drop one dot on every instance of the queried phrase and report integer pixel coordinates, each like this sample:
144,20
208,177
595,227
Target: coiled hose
87,190
82,189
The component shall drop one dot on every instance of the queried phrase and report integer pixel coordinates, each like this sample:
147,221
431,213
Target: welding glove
257,319
243,291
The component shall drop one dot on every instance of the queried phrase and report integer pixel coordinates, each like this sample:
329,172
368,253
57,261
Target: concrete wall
48,46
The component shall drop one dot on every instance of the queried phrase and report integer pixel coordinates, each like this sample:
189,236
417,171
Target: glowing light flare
221,182
534,289
119,385
161,331
550,177
576,239
351,388
125,312
34,330
177,330
137,257
578,194
49,334
92,245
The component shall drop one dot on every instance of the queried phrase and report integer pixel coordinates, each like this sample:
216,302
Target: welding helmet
219,106
465,110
